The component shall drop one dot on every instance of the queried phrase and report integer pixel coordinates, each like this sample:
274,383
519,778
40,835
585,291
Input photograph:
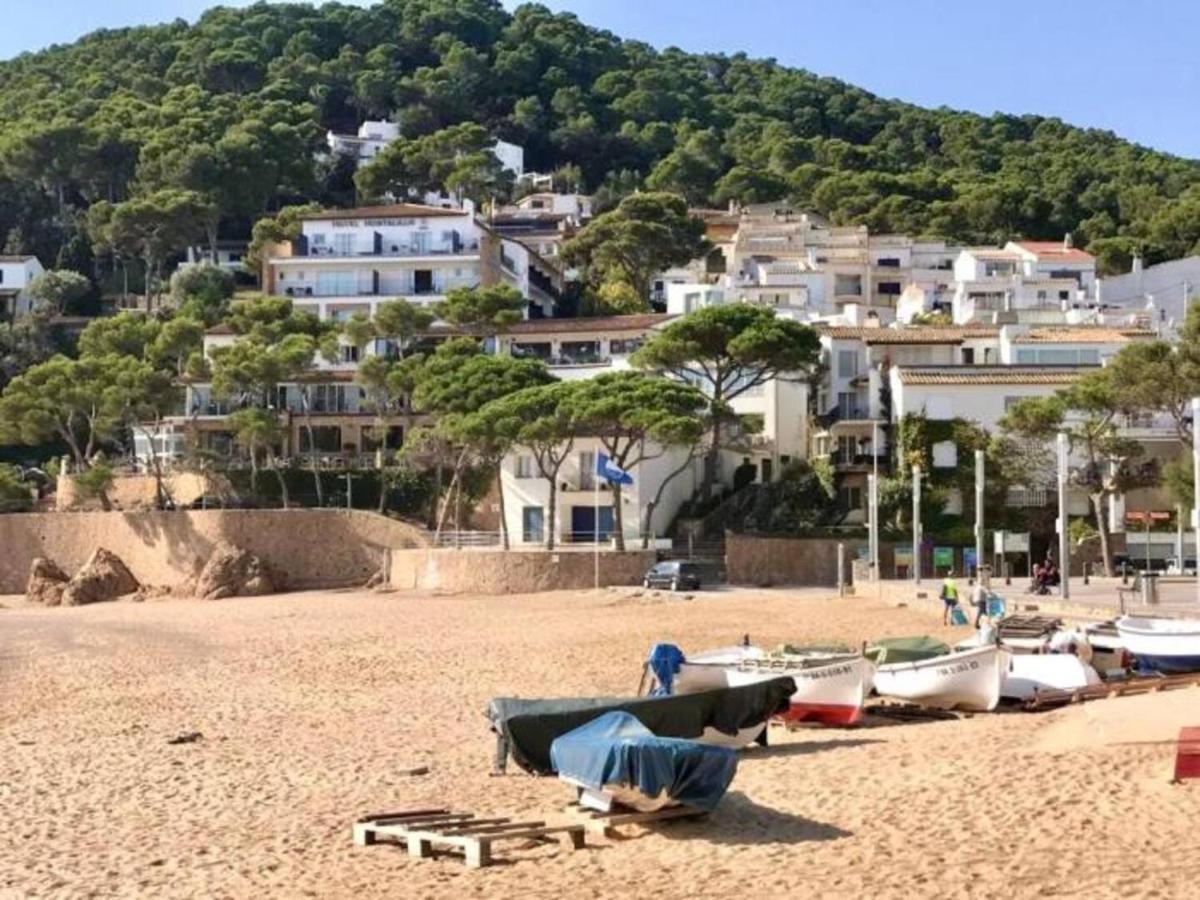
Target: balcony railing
467,248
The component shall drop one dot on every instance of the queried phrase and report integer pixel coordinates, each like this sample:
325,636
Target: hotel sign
371,223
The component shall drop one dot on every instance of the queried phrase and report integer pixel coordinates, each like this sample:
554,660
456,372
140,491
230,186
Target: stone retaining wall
518,571
767,561
309,547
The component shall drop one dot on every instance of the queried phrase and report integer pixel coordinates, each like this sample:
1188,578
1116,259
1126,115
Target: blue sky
1131,68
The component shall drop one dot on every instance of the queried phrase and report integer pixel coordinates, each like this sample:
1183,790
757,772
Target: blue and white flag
610,471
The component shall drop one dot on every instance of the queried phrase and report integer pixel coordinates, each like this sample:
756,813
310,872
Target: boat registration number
964,666
830,672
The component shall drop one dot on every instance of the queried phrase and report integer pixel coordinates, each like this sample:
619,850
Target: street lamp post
979,476
1064,548
916,528
1196,487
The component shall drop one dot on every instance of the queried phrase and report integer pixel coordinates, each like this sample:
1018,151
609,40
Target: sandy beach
312,707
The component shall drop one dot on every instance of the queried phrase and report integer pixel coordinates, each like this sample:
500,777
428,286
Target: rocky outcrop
103,577
234,572
46,583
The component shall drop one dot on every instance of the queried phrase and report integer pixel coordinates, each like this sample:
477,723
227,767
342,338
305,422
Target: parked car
674,575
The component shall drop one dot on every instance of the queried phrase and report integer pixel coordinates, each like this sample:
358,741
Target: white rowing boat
830,689
967,679
1030,673
1162,645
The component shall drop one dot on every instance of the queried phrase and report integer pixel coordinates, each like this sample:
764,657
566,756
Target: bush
202,291
15,495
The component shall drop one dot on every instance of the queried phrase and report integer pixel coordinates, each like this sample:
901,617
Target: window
326,438
847,405
889,288
945,455
318,240
587,470
847,363
1041,295
343,244
532,524
968,356
349,353
1064,295
850,498
888,262
847,285
525,467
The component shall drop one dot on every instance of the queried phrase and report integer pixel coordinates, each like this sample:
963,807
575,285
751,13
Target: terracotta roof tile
1084,334
392,210
984,375
1054,250
916,334
599,323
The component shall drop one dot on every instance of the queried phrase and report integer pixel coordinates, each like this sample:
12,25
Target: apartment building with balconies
1029,282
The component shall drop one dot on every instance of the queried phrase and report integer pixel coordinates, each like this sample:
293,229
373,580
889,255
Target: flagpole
596,526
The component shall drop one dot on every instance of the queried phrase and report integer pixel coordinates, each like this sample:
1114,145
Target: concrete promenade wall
309,547
767,561
517,571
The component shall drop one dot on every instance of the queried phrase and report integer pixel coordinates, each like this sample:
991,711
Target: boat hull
1169,646
968,679
832,694
1029,674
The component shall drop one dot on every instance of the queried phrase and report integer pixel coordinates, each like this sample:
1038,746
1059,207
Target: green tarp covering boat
887,651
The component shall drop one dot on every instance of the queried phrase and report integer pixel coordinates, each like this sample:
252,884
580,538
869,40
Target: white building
584,502
372,137
16,272
511,156
1160,293
1031,282
349,260
574,349
229,256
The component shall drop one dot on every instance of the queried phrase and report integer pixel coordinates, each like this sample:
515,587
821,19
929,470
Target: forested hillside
234,107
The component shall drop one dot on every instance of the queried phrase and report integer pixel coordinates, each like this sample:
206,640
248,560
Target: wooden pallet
606,823
423,830
1150,685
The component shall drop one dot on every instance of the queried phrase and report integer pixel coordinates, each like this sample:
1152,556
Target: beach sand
312,707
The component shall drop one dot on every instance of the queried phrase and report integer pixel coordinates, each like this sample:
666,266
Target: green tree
59,290
279,228
727,351
455,383
644,235
636,418
256,428
497,306
539,420
14,492
202,292
1088,412
151,228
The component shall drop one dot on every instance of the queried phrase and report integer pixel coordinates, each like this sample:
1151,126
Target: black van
674,575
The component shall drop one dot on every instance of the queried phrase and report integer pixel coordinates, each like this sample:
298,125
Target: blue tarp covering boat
616,753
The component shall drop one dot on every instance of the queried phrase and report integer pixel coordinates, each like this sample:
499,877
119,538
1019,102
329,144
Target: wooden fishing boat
967,679
831,688
1029,674
1168,646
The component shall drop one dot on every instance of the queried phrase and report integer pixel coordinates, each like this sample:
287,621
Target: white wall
535,491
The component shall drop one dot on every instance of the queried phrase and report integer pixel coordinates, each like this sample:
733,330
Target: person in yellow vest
949,596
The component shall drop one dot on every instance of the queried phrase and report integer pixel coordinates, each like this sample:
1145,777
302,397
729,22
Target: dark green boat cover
905,649
527,728
813,649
